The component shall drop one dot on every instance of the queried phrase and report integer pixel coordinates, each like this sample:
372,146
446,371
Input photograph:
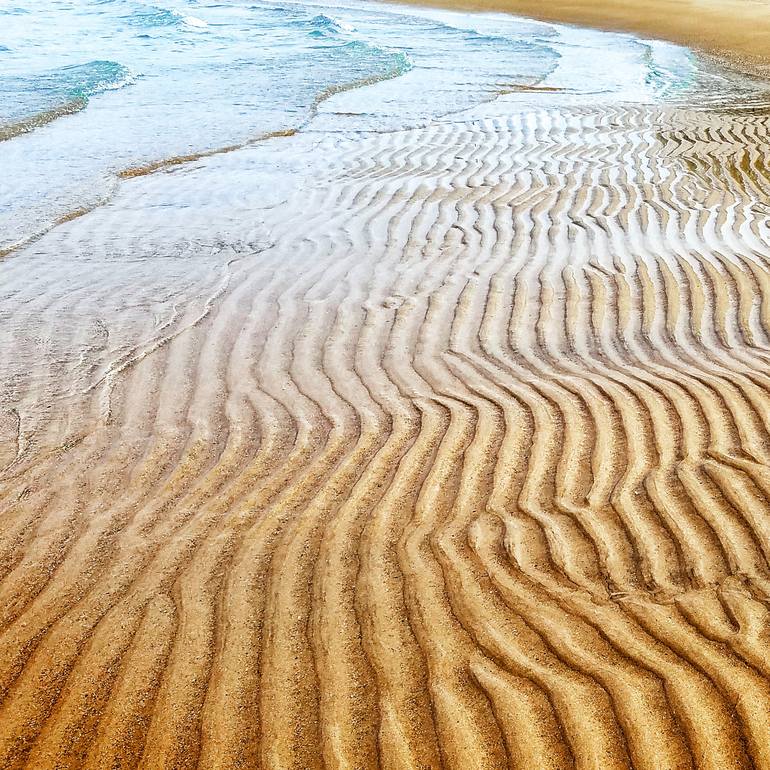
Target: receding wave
28,102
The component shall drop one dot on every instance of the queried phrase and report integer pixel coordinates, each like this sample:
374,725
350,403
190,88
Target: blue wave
151,16
326,26
365,64
84,80
27,102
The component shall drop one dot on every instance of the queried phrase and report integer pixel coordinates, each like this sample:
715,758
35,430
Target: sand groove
460,457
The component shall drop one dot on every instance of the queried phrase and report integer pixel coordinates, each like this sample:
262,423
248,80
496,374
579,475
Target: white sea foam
193,21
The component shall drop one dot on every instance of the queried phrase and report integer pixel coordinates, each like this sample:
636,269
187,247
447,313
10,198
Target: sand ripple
458,457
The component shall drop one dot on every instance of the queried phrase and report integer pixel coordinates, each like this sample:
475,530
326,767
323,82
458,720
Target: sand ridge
458,458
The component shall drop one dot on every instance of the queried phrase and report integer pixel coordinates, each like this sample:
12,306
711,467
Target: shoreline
735,33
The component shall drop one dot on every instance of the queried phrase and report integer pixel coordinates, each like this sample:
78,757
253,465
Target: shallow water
90,88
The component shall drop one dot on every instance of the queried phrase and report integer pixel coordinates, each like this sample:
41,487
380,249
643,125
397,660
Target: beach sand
736,30
442,447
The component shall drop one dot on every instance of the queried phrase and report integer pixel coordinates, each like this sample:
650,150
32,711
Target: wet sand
443,447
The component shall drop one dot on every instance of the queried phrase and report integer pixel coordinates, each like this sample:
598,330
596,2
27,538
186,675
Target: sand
738,31
454,452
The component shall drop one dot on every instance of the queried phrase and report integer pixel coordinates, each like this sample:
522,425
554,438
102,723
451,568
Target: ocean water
92,89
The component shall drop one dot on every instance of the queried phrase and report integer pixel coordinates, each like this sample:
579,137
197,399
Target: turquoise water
90,88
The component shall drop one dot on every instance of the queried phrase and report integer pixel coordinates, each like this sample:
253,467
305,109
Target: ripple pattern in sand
459,459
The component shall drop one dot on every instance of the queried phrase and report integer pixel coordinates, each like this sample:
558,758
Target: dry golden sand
461,460
735,29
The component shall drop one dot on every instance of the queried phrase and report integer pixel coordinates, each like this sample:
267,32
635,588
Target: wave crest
155,16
